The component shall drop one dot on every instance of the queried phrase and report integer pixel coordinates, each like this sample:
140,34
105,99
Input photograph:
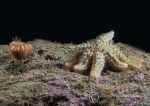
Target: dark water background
76,21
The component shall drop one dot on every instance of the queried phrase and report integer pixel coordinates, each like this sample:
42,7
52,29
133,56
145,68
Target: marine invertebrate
20,50
96,54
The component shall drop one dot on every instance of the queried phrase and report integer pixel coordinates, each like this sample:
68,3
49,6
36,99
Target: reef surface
41,80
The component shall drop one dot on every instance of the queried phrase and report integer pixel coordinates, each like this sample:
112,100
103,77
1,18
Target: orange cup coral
20,50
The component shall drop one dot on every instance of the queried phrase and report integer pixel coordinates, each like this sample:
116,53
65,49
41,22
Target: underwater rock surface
41,80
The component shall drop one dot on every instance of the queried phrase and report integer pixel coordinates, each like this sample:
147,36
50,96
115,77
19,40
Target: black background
76,21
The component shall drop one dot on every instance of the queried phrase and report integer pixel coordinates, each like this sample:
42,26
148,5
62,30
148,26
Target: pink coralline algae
58,83
60,91
132,101
104,79
139,78
79,102
120,91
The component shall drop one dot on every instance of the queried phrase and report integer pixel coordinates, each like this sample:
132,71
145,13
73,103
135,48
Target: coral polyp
20,50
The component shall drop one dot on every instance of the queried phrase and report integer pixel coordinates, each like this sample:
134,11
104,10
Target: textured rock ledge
41,79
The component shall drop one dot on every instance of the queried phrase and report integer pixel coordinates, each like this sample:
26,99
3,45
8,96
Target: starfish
95,55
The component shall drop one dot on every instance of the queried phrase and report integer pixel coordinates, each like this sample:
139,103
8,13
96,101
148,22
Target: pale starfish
95,55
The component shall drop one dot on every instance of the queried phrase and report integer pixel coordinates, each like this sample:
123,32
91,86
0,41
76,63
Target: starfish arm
84,61
85,45
115,62
122,57
98,63
105,38
71,60
83,64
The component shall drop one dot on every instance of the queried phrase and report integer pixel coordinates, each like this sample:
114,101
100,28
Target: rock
41,79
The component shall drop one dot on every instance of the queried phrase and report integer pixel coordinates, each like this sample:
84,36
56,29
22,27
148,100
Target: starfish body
95,55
